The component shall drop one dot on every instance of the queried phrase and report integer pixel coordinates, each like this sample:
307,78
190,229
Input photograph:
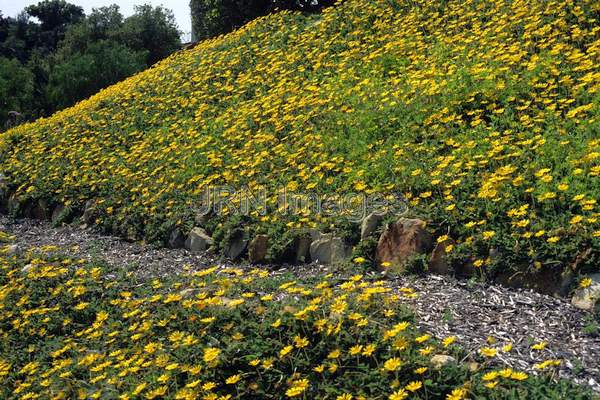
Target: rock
588,298
198,240
400,241
40,210
57,213
545,280
301,249
439,360
176,239
89,212
4,194
370,223
236,246
329,250
438,263
467,269
13,205
314,234
26,268
12,249
257,249
187,293
298,251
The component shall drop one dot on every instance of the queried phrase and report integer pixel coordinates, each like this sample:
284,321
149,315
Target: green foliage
214,17
16,90
151,29
71,56
85,73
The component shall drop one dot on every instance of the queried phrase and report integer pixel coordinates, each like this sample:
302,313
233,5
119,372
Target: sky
180,8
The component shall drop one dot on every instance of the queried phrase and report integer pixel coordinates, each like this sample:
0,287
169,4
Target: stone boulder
176,239
257,249
301,249
58,214
89,212
400,241
12,249
198,240
440,360
438,263
40,210
329,250
236,246
13,205
588,298
370,223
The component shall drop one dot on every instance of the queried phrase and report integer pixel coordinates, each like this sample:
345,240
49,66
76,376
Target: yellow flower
285,351
414,386
585,283
488,351
505,373
354,350
488,234
398,395
539,346
491,385
456,394
277,323
297,388
300,342
334,354
421,370
519,376
490,376
422,338
210,354
360,260
392,364
448,341
369,349
232,380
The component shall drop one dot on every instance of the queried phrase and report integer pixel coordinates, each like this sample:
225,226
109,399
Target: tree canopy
53,55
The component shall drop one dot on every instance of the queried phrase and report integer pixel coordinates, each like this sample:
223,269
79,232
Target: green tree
215,17
16,91
55,17
104,23
83,74
152,29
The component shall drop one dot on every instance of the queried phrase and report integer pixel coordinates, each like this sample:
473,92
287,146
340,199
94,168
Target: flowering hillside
484,115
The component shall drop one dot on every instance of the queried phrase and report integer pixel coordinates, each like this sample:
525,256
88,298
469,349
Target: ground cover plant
71,328
482,114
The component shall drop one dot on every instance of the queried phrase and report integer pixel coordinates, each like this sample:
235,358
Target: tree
55,17
153,29
214,17
100,65
16,90
104,23
60,56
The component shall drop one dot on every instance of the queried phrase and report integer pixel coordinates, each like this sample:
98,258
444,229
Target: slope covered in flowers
483,114
72,329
